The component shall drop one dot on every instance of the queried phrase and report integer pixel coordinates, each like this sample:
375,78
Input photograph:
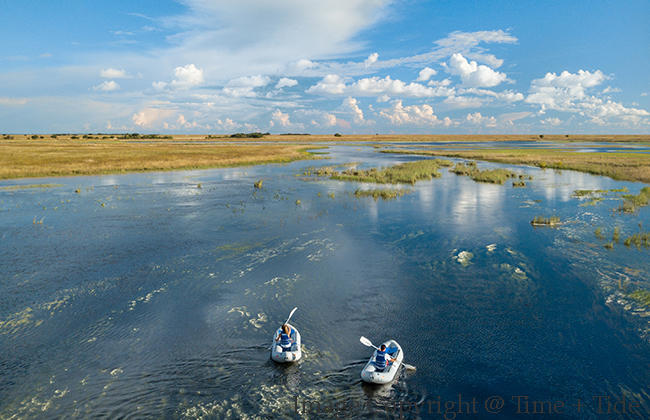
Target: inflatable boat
370,372
286,355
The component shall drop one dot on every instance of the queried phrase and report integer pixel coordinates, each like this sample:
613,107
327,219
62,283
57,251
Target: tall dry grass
26,158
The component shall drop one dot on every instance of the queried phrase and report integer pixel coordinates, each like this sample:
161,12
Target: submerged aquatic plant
641,296
545,221
385,194
599,233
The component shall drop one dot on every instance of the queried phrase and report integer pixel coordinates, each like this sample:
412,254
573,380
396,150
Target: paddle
368,343
291,314
287,321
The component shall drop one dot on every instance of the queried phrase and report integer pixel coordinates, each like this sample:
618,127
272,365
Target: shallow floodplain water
147,296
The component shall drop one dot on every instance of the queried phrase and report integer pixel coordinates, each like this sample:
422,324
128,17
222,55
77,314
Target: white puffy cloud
460,102
410,115
554,122
249,81
106,86
185,78
473,74
244,86
350,106
152,117
112,73
425,74
568,93
478,119
283,119
375,86
372,59
610,89
285,82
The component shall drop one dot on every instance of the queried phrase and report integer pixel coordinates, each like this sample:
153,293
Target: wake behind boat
372,374
290,354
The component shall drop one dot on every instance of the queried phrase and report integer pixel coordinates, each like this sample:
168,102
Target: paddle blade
409,367
291,314
366,342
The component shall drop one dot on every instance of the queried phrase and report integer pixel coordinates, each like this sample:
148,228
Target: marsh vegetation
631,203
405,173
385,194
494,176
619,166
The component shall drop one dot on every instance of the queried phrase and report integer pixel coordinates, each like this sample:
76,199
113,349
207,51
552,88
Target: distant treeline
295,134
97,136
249,135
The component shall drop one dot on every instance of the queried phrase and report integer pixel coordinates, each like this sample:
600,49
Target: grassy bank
28,158
619,166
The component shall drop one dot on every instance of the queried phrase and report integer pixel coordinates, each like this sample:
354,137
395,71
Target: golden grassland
22,156
27,158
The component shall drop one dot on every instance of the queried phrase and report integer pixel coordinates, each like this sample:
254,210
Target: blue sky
347,66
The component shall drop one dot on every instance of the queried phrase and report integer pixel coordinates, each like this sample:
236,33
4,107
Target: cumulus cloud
283,119
553,122
460,102
244,86
350,106
568,93
425,74
106,86
112,73
372,59
285,82
151,117
478,119
399,114
473,74
610,89
375,86
185,78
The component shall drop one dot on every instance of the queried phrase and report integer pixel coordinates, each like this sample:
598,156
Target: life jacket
380,360
285,340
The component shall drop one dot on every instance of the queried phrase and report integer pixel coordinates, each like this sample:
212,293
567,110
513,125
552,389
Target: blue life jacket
285,340
380,360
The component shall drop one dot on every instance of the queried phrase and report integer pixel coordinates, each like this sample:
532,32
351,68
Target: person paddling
381,361
285,337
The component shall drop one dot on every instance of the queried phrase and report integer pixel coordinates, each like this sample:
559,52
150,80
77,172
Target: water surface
156,295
